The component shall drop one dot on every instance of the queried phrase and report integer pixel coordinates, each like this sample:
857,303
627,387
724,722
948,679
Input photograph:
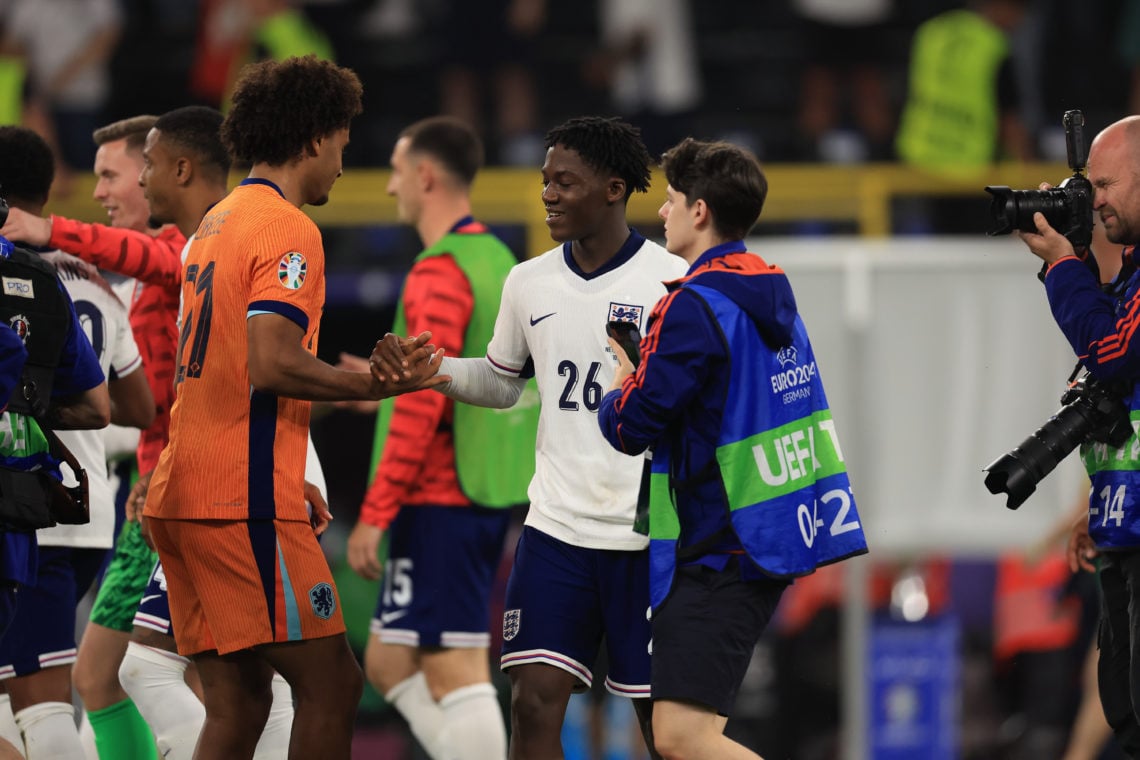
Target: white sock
49,731
473,724
87,738
425,718
274,741
155,680
8,728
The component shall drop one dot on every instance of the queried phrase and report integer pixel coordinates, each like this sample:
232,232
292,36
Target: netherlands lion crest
511,624
323,599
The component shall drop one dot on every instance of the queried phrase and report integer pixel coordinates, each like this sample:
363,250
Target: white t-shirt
52,33
583,491
104,320
667,78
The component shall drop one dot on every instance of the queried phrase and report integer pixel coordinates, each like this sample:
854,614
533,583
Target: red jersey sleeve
437,297
150,259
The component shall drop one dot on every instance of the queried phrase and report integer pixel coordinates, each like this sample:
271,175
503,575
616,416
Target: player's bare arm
279,364
27,228
89,410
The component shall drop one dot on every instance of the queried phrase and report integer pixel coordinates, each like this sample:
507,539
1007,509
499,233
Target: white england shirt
553,316
104,320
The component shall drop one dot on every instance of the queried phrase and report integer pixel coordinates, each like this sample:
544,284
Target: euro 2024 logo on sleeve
291,270
323,600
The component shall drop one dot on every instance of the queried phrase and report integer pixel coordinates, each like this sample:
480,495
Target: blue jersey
1100,325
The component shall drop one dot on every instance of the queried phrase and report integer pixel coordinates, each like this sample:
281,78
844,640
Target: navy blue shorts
438,577
154,606
562,599
42,632
705,631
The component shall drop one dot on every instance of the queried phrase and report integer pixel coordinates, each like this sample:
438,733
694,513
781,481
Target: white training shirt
583,491
104,320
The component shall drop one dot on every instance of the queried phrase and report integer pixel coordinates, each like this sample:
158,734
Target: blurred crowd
796,80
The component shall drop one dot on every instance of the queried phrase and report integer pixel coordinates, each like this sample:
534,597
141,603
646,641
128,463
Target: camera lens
1018,472
1014,209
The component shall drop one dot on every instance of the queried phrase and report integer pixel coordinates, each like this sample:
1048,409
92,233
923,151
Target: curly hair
195,129
27,167
726,177
279,107
608,145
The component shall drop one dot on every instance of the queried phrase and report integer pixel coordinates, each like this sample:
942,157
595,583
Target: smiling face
577,197
1113,165
117,187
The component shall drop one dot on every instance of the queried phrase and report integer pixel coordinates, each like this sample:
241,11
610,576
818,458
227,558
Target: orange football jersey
234,452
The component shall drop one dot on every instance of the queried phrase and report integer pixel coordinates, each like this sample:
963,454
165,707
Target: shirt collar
732,246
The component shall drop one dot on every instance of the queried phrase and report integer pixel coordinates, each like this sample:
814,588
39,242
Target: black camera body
1067,207
1091,411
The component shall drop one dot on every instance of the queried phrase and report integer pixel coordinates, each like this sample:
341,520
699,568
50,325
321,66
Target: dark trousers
1118,669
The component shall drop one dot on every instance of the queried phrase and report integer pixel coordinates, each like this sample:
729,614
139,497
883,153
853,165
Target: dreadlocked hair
607,145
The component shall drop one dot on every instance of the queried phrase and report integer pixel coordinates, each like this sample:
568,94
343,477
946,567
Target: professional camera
1067,207
1091,411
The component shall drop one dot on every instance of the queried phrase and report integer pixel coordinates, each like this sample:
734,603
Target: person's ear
615,190
183,171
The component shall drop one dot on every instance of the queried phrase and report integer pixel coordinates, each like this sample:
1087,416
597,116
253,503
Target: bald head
1114,171
1121,138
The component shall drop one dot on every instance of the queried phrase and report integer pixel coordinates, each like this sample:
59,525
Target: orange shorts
235,584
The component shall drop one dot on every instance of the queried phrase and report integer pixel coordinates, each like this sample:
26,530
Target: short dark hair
450,141
133,130
726,177
197,130
27,166
279,107
608,145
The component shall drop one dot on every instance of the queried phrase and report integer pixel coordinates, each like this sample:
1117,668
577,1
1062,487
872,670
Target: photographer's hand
1047,244
1081,549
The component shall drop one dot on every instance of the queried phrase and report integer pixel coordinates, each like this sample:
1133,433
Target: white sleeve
508,349
125,357
314,473
475,381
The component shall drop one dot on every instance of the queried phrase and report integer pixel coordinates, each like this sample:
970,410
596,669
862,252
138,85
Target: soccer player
580,572
38,649
250,591
130,247
445,471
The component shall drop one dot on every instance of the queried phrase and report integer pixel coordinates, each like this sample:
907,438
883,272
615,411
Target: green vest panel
951,119
494,448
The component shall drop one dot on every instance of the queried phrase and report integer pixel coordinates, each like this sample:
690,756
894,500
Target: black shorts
704,634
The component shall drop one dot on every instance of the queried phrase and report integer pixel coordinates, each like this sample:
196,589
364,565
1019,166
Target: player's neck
596,250
195,209
437,219
285,177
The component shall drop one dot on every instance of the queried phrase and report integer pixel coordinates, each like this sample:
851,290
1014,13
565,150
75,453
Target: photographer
1099,324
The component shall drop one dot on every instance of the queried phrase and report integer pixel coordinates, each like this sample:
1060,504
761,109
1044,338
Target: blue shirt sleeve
78,369
13,354
678,353
1099,333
